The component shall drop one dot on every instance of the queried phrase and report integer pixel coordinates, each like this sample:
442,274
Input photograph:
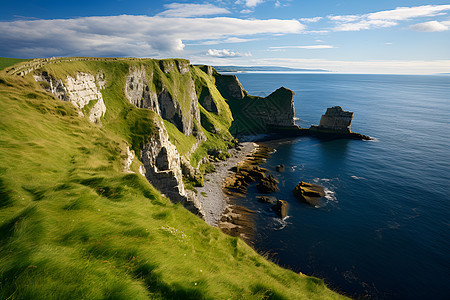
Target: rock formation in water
281,208
336,119
309,193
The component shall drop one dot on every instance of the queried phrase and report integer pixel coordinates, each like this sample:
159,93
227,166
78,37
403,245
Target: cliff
254,115
195,110
77,217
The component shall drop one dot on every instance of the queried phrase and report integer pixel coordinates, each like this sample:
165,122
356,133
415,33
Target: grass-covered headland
74,225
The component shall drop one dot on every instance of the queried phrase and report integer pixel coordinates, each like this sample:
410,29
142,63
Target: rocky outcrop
309,193
80,91
255,115
177,104
138,92
281,208
268,185
230,87
162,165
336,119
206,100
238,221
55,86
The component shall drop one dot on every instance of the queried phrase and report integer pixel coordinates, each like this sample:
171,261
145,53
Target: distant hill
263,69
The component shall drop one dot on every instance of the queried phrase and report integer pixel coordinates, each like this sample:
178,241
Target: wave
357,178
330,196
280,224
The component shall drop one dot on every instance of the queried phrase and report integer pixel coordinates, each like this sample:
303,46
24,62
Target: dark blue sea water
384,228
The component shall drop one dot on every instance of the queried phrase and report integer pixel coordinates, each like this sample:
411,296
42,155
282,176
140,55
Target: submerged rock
267,199
280,168
268,185
309,193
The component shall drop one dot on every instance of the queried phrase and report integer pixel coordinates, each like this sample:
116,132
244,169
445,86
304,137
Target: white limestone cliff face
79,91
138,92
162,168
82,90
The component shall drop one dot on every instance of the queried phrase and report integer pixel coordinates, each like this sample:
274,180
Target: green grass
73,225
182,142
7,62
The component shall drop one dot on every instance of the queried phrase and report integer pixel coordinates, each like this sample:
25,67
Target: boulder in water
280,168
309,193
281,208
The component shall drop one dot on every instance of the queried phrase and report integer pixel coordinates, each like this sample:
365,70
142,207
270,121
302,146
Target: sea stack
336,119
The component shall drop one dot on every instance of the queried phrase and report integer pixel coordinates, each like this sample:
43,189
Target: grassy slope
73,225
6,62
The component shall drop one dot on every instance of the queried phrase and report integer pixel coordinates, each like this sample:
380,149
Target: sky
344,36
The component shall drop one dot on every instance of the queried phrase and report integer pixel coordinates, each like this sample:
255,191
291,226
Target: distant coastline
222,69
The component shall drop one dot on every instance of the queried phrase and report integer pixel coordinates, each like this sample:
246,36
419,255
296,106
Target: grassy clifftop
74,225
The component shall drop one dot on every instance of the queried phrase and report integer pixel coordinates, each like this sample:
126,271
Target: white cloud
387,18
432,26
311,20
185,10
226,53
311,47
405,13
253,3
246,11
278,4
127,35
363,25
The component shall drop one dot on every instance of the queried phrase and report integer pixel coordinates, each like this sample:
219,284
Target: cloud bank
386,18
127,35
184,10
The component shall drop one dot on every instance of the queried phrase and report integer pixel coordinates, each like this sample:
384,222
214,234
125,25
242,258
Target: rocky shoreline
211,196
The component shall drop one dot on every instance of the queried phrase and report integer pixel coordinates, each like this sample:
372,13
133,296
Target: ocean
383,229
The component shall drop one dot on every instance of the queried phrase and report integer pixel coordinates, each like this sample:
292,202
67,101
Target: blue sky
404,37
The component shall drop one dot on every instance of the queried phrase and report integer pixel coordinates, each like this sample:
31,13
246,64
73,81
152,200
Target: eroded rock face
82,90
230,87
138,92
162,165
336,119
262,115
79,91
55,86
180,109
206,100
